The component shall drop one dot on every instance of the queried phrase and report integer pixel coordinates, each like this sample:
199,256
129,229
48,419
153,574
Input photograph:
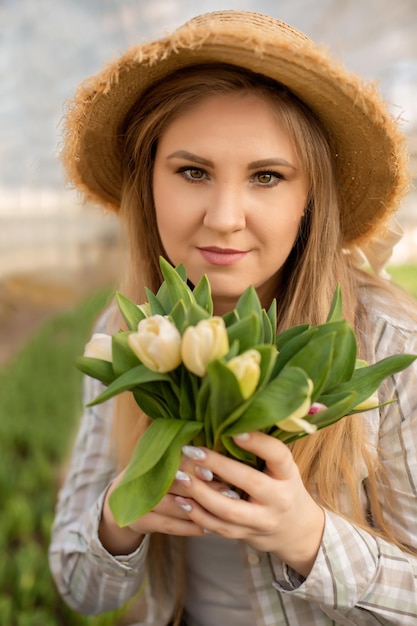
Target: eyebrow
194,158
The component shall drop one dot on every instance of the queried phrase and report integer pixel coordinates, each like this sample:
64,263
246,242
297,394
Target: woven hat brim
368,148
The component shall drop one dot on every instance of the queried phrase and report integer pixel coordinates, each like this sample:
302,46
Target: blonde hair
332,459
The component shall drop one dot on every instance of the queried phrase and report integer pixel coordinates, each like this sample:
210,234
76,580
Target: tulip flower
316,407
370,403
99,347
157,344
203,343
246,368
296,422
145,308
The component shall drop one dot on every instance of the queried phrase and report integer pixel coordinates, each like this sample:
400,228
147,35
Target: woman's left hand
279,516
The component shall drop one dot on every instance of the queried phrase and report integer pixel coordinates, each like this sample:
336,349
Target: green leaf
156,304
179,316
196,313
344,352
248,304
268,357
130,311
246,331
225,395
237,452
127,381
176,285
151,404
315,358
291,333
268,331
96,368
202,294
124,358
336,307
181,271
202,399
292,345
152,469
366,380
164,300
230,318
278,400
189,388
272,314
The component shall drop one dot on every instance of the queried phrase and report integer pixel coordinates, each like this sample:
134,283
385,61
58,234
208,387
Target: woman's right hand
167,517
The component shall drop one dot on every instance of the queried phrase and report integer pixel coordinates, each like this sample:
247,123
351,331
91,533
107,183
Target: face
229,193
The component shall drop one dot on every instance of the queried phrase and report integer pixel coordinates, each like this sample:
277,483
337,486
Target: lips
222,256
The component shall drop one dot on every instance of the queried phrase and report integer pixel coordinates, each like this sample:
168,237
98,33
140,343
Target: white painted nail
241,437
183,504
204,473
196,454
182,477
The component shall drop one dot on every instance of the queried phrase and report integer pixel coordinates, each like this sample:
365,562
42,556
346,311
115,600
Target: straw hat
368,148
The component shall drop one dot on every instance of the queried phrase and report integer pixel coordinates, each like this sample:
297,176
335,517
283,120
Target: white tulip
246,368
157,344
99,347
203,343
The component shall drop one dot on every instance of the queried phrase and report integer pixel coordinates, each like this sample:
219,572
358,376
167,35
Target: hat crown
252,19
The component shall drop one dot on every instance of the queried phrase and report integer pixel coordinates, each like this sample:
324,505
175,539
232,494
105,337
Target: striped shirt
356,580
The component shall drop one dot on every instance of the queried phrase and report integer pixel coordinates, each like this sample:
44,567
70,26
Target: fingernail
204,473
229,493
241,437
182,477
183,504
196,454
207,532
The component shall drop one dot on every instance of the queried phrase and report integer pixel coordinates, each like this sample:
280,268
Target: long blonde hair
333,458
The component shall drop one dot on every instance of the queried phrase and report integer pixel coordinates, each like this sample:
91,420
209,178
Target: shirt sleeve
90,579
357,578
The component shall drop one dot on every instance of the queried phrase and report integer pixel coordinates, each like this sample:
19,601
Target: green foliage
405,276
287,385
40,402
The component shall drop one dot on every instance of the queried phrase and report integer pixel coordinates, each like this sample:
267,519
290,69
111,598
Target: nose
225,211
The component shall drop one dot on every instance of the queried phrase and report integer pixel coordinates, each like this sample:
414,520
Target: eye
267,179
193,174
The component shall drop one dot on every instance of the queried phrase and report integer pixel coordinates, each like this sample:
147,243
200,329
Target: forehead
236,115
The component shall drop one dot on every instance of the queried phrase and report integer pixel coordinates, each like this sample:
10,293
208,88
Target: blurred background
58,259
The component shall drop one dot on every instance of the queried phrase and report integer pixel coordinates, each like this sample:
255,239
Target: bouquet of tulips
202,379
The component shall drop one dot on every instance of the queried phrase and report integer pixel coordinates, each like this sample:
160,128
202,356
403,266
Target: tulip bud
295,423
145,308
317,407
370,403
246,368
99,347
203,343
157,344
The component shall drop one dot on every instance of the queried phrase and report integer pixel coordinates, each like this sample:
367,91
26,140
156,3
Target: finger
277,456
181,526
183,480
230,471
216,516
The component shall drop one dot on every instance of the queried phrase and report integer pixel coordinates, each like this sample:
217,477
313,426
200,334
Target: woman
240,149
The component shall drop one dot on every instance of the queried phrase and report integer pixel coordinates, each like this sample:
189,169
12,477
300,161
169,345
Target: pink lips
221,256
